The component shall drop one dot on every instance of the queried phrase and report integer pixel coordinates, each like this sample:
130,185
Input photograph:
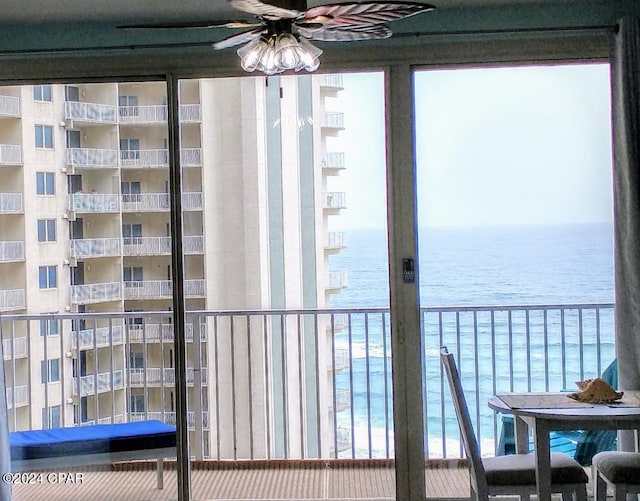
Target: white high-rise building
85,228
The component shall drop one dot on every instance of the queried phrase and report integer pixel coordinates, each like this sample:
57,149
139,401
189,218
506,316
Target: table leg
521,432
543,460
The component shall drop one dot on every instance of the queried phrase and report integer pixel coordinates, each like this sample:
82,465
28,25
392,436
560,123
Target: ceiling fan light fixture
276,53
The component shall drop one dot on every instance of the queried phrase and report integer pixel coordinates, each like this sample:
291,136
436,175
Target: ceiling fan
278,40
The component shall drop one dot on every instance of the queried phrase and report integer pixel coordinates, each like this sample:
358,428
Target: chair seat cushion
520,469
619,467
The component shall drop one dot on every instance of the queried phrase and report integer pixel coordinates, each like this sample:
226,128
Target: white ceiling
47,11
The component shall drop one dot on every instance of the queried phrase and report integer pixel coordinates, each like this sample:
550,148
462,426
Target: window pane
51,230
52,276
42,277
42,230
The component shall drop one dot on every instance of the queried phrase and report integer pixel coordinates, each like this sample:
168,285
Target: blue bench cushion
95,439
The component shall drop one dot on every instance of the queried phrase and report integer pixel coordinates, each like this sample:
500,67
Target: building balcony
336,280
11,203
157,376
92,158
154,333
159,202
332,81
9,107
12,299
333,120
96,293
565,343
11,251
10,154
157,114
118,418
15,348
17,396
161,289
94,202
90,113
169,417
333,162
342,399
335,200
160,246
84,248
98,383
336,241
158,158
100,337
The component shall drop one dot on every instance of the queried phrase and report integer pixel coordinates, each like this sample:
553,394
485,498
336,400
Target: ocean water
532,265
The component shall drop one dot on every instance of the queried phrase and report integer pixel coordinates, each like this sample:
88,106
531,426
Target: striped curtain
625,83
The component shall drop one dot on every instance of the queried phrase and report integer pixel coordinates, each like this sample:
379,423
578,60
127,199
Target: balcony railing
9,106
11,251
338,279
96,293
157,376
12,299
156,202
333,120
155,289
169,417
333,160
90,112
154,333
17,396
268,389
100,337
94,202
95,247
336,240
11,203
10,154
157,114
98,383
92,158
335,200
15,348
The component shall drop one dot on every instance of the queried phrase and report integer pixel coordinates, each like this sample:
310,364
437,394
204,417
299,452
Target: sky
501,146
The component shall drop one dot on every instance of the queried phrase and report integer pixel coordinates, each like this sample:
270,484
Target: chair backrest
469,440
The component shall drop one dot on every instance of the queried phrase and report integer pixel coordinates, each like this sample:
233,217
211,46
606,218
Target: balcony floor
251,481
370,480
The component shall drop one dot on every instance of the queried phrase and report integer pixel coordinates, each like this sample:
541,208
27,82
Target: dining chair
620,470
513,474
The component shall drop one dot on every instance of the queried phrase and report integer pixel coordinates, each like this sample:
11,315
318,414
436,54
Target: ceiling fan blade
191,24
261,9
238,38
348,33
351,14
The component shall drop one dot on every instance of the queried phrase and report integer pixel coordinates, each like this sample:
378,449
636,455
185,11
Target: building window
132,276
45,183
46,230
137,403
49,327
42,93
129,149
44,136
51,417
128,106
132,234
136,360
50,371
48,277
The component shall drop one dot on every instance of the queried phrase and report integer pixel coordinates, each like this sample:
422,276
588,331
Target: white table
543,421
